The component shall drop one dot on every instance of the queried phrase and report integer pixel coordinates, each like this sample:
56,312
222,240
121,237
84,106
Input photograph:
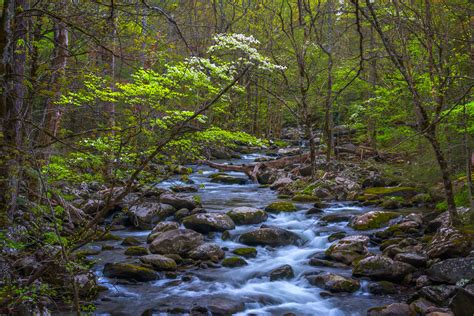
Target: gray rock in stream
271,236
176,241
205,305
209,222
179,201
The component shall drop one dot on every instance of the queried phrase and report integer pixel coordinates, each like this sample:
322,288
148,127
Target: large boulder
333,282
159,262
176,241
179,201
209,222
247,215
449,242
147,214
280,206
439,294
161,227
348,249
129,271
372,220
207,251
452,270
380,267
270,236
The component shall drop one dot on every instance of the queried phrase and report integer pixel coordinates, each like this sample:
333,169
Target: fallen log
252,170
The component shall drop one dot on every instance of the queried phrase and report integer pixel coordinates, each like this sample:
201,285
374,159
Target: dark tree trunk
13,47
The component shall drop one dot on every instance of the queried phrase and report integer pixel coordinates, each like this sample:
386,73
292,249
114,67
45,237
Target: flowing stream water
250,283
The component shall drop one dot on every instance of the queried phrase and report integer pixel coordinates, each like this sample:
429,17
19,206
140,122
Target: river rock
176,241
204,305
372,220
233,262
380,267
452,270
414,259
129,271
179,201
395,309
383,288
207,251
161,227
246,252
271,236
421,306
247,215
318,262
283,272
226,179
449,242
130,241
281,183
147,214
347,249
280,206
333,282
159,262
462,304
438,294
136,251
336,218
209,222
184,188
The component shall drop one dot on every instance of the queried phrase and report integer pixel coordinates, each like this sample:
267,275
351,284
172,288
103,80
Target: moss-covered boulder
271,236
209,222
305,198
246,252
129,271
395,309
247,215
281,206
372,220
159,262
333,282
136,251
380,267
392,202
226,179
347,250
233,262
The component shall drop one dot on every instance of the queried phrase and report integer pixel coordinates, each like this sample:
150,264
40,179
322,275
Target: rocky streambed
233,250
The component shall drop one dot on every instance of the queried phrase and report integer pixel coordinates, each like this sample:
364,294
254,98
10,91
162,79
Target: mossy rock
217,174
130,241
247,215
336,218
159,262
391,202
281,206
233,262
246,252
129,271
372,220
136,251
391,191
305,198
283,196
109,236
336,236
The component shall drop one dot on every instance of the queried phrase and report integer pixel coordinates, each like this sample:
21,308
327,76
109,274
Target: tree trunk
53,112
13,47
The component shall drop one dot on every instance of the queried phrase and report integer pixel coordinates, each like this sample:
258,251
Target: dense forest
248,157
